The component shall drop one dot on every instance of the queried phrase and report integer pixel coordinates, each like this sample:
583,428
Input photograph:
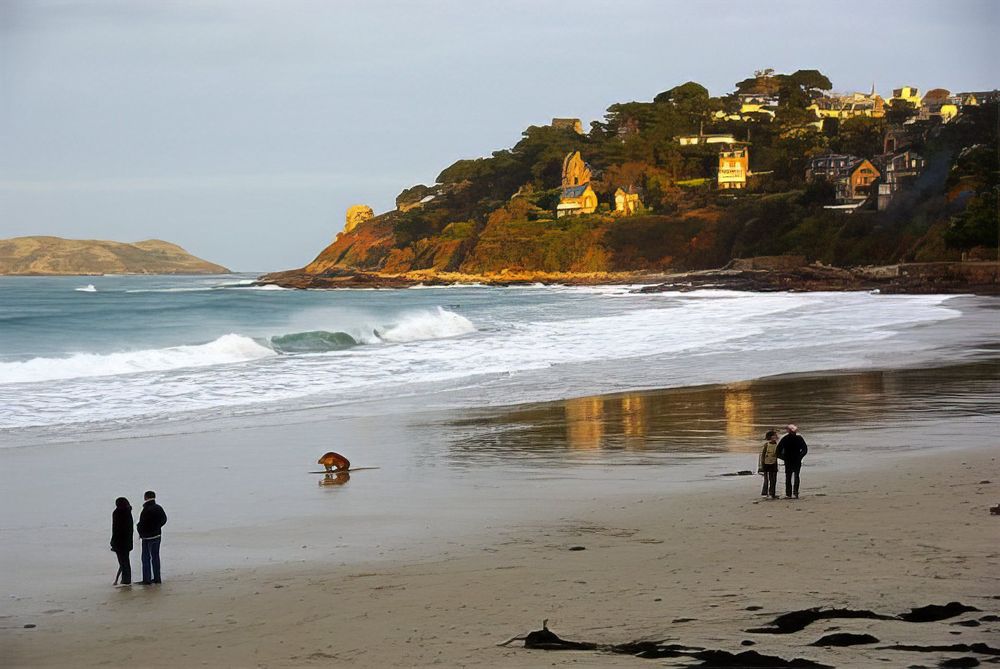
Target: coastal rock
356,215
58,256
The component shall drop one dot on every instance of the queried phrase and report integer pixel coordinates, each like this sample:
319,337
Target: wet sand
461,539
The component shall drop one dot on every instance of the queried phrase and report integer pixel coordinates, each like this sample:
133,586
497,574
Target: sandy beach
886,533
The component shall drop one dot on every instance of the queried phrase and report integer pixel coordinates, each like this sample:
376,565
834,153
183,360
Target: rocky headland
39,256
645,197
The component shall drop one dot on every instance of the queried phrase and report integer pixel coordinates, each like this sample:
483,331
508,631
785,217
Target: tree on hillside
858,136
898,111
688,98
763,82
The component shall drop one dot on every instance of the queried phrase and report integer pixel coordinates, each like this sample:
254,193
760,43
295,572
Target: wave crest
437,324
226,349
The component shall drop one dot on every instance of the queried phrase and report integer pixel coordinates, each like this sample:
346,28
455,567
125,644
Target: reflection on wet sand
731,417
738,400
335,478
584,422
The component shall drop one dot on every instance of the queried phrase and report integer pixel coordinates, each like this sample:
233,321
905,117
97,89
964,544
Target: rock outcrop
357,215
55,255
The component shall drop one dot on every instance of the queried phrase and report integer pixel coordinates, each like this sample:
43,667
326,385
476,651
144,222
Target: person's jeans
770,480
151,560
792,478
125,565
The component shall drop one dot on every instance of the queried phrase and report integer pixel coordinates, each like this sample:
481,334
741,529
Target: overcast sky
243,129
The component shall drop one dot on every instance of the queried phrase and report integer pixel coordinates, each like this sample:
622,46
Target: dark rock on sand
796,621
957,662
980,648
544,639
748,642
844,639
935,612
750,659
968,623
578,548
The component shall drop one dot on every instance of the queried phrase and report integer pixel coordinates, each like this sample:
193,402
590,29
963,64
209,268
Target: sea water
97,353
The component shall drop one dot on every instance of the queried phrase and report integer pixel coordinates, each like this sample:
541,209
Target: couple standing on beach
151,520
791,449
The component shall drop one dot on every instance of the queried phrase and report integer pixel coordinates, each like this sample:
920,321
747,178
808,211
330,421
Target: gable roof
575,191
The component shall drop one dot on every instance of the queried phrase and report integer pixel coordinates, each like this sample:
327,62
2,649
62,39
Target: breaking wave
235,348
226,349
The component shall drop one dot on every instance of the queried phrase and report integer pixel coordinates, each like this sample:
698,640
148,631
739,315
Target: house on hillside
627,201
701,138
843,107
860,179
851,176
734,165
909,94
899,173
577,196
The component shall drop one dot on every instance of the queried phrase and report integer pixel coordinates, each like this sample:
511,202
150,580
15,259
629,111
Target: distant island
687,182
57,256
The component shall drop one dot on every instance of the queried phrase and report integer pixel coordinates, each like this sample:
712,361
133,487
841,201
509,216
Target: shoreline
858,538
979,278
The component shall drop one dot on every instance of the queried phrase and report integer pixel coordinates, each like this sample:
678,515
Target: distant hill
55,255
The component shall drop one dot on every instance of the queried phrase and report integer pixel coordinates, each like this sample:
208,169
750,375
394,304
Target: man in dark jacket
151,520
792,448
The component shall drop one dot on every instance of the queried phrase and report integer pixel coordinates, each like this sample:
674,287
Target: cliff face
54,255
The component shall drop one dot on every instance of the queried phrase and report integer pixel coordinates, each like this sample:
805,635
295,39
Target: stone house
627,201
577,196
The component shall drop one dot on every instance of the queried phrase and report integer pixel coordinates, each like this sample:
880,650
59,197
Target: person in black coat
151,521
792,448
121,537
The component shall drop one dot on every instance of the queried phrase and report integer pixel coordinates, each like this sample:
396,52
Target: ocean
83,355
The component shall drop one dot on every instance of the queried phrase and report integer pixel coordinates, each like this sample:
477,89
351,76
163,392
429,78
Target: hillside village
780,166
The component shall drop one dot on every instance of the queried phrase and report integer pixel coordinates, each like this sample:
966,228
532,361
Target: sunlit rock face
357,215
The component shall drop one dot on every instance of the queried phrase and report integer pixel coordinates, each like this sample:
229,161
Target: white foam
89,288
437,324
228,348
671,338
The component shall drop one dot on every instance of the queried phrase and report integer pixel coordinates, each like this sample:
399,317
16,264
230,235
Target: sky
243,129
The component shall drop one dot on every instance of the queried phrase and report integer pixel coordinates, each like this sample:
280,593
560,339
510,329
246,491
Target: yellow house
626,201
948,111
849,106
733,168
577,200
909,94
577,196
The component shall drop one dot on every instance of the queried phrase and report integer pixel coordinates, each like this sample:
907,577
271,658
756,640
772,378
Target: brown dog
334,461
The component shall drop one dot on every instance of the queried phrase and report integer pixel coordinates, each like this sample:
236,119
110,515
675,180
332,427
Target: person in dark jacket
792,448
121,537
151,520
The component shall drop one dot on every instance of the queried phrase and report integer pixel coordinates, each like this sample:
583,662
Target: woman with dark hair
767,464
121,538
